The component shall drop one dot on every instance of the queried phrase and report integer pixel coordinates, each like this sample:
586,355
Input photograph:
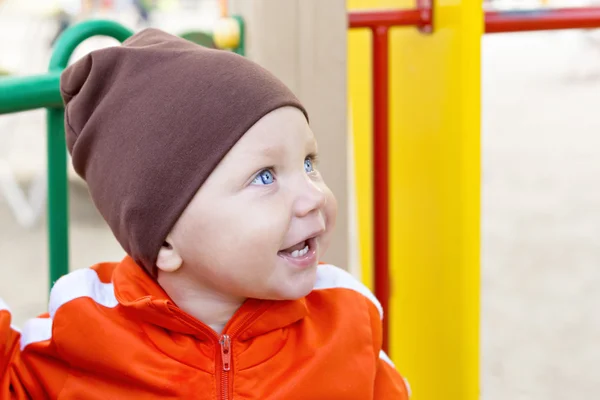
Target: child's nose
309,198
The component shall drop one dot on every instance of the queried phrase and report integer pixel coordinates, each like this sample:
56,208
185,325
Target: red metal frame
542,19
375,19
379,22
381,172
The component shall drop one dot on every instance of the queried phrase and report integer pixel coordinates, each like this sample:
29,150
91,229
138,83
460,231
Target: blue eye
264,177
308,165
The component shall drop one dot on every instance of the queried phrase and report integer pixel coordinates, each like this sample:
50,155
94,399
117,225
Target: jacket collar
143,298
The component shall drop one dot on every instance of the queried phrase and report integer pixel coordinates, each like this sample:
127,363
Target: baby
205,168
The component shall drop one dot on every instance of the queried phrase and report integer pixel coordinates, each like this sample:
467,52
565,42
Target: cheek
330,215
331,209
235,232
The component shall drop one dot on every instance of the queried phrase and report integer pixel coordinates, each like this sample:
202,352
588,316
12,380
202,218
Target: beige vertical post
303,42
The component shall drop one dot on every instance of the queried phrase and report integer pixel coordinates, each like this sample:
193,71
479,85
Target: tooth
304,251
295,253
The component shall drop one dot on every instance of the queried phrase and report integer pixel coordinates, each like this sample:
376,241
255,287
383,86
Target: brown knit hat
148,121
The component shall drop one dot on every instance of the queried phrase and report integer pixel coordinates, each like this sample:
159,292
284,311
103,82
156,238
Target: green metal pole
58,198
58,205
241,49
29,93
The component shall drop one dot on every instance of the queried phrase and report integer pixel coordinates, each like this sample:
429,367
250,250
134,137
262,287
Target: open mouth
300,250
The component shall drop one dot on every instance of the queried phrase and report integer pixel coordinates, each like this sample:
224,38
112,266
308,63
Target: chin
294,288
297,290
296,294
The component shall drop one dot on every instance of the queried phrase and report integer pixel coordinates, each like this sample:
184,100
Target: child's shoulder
93,282
338,289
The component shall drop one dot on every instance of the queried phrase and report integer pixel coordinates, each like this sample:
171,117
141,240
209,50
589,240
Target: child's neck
208,306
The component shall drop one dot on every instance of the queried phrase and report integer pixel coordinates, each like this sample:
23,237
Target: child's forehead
279,143
276,148
275,133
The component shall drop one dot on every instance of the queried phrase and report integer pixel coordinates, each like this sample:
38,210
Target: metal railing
542,20
42,91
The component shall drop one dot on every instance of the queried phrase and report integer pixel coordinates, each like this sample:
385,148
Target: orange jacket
112,333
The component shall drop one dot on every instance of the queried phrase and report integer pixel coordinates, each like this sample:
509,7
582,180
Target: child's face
260,223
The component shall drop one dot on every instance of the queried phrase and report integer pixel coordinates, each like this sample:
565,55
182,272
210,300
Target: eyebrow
271,151
276,152
262,156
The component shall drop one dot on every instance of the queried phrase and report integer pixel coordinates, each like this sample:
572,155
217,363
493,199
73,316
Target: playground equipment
380,22
426,198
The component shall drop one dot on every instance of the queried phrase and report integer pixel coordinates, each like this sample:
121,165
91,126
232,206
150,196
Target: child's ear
168,259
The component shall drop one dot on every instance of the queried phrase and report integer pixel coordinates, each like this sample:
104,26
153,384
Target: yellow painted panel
360,94
435,202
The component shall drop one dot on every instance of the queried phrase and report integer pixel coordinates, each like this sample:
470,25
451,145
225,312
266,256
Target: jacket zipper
225,342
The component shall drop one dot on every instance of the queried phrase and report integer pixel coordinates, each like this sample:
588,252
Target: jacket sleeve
389,384
30,367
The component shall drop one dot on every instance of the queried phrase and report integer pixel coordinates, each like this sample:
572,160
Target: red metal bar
541,20
425,7
380,172
388,18
379,22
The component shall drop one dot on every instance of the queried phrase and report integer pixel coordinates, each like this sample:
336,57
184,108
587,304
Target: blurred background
540,192
28,29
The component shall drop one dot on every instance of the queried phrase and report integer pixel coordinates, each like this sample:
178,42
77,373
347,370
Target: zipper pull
225,343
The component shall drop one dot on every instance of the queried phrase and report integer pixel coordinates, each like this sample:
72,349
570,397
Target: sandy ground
541,214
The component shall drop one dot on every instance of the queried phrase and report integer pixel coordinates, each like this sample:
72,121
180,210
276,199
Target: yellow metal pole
434,194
